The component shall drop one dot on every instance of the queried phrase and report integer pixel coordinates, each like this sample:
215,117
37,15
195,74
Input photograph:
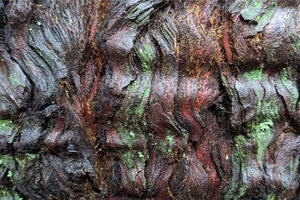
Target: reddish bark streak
226,42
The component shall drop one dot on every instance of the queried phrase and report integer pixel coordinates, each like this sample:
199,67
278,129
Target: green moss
271,197
241,151
6,125
16,196
255,11
135,163
128,158
255,75
139,110
266,17
134,113
132,88
261,131
26,64
235,192
230,194
141,155
7,195
242,192
23,159
134,125
261,128
264,107
166,146
128,136
7,129
8,163
135,90
146,56
131,157
170,142
270,109
237,188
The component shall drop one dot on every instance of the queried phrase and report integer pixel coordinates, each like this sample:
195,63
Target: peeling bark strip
149,99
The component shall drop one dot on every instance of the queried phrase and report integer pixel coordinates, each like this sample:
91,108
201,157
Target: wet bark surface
149,99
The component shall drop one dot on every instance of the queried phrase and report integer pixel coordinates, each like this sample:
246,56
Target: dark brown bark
149,99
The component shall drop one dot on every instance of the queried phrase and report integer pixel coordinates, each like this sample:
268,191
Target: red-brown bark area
149,99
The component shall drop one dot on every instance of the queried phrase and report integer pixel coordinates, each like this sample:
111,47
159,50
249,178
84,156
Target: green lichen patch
146,56
14,80
260,12
252,10
266,16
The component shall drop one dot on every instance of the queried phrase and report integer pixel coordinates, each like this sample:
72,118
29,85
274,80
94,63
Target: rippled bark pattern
149,99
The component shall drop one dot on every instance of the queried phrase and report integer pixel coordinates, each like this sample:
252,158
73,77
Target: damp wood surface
149,99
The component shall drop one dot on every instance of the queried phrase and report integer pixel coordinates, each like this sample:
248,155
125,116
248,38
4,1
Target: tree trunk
149,99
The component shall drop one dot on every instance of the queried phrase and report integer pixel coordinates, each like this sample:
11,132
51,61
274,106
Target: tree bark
149,99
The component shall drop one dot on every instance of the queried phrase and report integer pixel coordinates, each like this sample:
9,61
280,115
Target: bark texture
149,99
